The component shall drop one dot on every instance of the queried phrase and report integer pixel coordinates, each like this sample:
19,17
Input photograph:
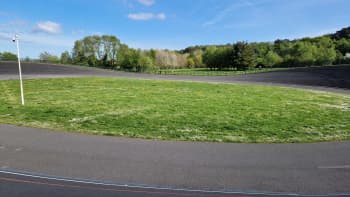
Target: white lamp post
16,39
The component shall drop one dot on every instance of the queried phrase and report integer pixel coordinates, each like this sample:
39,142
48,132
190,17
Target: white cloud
147,16
48,27
141,16
147,2
161,16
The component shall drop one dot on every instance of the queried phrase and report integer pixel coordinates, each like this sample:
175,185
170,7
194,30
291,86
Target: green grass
208,72
177,110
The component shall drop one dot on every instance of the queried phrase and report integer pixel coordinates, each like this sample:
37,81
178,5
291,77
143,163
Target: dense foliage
323,50
107,51
7,56
47,57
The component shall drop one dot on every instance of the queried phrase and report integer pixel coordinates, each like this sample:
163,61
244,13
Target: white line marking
335,167
171,189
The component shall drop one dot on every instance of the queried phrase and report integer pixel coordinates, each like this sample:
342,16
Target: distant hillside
343,33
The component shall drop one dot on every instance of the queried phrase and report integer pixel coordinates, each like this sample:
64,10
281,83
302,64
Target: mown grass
208,72
177,110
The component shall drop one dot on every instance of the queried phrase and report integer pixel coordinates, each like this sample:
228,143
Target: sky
54,25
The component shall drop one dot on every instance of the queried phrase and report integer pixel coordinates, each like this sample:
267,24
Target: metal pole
19,68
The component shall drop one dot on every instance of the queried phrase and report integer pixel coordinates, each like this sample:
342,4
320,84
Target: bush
8,56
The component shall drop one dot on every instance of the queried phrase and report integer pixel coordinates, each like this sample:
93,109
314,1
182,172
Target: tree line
107,51
8,56
320,51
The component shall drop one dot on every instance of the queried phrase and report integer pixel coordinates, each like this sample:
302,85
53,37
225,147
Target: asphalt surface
332,79
317,168
16,184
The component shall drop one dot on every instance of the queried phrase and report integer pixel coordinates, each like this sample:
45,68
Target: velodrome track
147,166
334,79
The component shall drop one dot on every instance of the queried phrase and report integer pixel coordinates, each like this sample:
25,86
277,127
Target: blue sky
54,25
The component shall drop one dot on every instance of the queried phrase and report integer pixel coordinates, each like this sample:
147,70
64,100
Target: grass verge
177,110
208,72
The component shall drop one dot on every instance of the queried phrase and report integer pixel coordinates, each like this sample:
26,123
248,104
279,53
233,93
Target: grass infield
170,110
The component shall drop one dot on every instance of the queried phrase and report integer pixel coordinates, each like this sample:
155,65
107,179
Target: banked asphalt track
37,162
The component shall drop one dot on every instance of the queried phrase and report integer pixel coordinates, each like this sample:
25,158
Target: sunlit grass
177,110
209,72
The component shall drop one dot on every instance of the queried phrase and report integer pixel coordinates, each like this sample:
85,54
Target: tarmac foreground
18,184
316,168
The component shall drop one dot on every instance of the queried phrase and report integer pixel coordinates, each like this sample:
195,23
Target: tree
144,63
170,59
195,58
261,48
108,51
243,56
130,60
152,54
97,51
122,55
92,60
262,51
66,58
219,57
283,47
209,57
190,62
78,54
343,46
27,59
304,53
48,58
224,57
343,33
110,44
271,59
339,59
8,56
135,60
326,53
